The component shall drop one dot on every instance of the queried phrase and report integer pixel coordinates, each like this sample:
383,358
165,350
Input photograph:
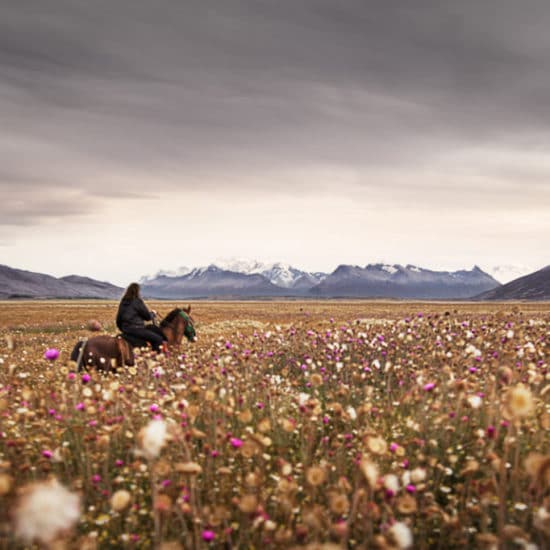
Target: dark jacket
132,314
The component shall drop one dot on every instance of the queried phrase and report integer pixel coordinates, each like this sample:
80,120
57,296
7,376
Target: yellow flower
316,380
316,475
339,504
248,504
5,484
519,402
120,500
370,471
406,504
376,445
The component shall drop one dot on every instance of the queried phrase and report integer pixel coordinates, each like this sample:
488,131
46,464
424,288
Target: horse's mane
170,317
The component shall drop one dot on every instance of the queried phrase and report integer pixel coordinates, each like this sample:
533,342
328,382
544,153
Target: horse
105,352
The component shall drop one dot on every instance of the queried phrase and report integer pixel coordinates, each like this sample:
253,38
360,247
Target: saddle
136,341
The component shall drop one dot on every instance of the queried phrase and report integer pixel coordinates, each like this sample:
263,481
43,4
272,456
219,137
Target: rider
132,314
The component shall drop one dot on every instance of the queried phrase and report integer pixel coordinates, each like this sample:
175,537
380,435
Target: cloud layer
435,105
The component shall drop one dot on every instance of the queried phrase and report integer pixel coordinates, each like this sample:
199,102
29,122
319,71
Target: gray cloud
107,96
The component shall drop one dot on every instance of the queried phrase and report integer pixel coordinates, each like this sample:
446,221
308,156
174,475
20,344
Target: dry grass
320,424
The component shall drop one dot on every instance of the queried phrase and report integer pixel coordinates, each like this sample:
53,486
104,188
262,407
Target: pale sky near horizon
144,135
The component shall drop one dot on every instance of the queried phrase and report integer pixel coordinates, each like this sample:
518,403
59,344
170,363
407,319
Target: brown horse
109,352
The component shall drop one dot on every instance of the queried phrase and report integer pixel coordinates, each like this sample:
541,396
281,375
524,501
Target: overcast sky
142,135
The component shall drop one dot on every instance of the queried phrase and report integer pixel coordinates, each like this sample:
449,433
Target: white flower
391,482
152,438
418,475
475,401
401,535
352,412
303,398
45,510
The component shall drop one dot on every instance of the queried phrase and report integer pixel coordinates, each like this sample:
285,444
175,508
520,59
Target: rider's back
132,314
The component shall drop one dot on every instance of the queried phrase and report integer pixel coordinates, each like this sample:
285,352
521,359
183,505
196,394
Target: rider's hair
132,292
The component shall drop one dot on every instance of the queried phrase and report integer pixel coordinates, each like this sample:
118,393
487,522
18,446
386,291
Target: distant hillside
17,283
535,286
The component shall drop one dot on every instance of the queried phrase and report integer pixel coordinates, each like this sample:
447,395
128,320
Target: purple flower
86,378
51,354
208,535
236,442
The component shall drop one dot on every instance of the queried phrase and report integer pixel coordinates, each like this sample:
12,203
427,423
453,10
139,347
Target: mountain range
249,279
272,280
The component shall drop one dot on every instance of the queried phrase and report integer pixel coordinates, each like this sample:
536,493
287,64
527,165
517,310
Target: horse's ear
187,309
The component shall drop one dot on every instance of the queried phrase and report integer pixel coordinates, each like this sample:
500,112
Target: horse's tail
78,352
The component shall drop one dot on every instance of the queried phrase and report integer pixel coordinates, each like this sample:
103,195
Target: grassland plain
327,424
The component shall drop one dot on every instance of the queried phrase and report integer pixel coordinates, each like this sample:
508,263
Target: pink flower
208,536
86,378
394,447
47,454
429,386
154,408
80,406
236,442
51,354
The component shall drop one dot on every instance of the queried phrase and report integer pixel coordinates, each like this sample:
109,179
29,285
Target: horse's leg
124,353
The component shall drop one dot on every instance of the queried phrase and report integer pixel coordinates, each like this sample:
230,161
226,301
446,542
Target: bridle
174,323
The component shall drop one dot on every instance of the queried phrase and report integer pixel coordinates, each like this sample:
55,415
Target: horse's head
179,323
189,329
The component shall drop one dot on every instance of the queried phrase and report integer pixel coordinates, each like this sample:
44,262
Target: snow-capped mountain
179,272
211,282
252,278
397,281
278,273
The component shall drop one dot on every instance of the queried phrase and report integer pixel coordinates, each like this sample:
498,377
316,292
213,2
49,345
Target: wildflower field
288,424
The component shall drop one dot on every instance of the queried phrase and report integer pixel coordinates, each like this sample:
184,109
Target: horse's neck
174,334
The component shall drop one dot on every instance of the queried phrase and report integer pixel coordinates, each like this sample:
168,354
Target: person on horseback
132,314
